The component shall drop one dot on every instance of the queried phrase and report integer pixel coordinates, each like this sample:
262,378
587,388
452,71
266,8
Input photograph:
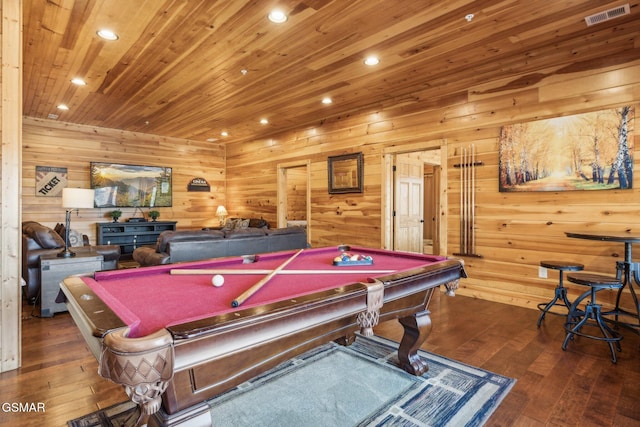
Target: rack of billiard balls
347,258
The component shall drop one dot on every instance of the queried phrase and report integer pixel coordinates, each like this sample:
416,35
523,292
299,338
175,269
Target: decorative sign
198,184
50,181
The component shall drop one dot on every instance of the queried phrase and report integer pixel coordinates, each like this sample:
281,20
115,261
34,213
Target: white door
409,215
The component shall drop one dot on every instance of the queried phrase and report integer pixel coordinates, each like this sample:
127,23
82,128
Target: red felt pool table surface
152,298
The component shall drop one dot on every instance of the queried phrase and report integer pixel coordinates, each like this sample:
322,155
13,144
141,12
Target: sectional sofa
193,245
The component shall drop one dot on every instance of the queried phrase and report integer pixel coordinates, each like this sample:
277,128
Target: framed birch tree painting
590,151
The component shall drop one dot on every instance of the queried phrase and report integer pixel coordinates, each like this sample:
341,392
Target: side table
53,269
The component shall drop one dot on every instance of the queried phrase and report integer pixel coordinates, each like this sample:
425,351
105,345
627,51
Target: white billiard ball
217,280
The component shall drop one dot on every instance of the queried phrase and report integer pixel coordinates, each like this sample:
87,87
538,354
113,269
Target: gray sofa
194,245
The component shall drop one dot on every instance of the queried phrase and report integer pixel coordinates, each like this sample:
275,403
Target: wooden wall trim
283,197
11,130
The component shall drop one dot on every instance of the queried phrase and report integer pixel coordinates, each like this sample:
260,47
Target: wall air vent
607,15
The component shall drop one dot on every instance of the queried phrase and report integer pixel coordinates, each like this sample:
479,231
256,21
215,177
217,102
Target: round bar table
627,271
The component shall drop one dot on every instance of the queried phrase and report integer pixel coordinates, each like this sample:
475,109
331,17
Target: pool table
174,340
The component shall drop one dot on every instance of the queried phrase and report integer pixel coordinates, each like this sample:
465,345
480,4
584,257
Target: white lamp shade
221,211
77,198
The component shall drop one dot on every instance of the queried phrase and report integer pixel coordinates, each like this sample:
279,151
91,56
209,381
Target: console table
131,235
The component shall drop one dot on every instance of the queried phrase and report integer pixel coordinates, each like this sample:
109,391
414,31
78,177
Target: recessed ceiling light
264,121
224,133
277,16
107,35
371,60
78,81
62,107
469,17
326,100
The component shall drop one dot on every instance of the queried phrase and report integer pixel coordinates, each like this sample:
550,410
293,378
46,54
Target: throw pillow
44,236
241,224
258,223
75,238
230,224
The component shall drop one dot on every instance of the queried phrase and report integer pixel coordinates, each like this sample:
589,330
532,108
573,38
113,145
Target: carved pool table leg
346,340
416,330
451,287
144,366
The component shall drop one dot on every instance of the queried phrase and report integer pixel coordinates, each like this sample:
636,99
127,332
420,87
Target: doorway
431,234
414,195
294,195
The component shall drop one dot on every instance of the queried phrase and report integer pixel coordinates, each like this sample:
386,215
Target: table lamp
221,213
72,200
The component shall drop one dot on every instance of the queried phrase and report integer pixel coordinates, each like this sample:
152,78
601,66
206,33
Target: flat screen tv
118,185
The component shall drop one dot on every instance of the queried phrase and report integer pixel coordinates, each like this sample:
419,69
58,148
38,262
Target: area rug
358,385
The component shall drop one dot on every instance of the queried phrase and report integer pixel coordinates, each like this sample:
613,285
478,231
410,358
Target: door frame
388,190
282,192
408,222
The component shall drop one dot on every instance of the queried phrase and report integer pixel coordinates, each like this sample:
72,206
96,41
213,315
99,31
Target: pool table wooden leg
416,330
144,366
346,340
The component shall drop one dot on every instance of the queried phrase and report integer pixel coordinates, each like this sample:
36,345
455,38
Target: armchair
38,240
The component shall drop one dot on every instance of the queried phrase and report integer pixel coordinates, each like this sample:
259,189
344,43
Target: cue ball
217,280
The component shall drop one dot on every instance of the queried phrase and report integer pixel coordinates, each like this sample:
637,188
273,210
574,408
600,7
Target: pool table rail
93,317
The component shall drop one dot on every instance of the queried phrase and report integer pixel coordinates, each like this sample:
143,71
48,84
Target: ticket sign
50,181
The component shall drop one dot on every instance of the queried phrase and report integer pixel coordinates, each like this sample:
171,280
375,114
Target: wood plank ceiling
176,69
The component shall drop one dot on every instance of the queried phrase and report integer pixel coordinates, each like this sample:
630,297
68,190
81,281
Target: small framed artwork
346,173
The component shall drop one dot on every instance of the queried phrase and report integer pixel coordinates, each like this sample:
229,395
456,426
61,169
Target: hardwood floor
579,387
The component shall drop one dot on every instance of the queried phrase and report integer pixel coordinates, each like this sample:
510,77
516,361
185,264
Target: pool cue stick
206,271
473,199
461,204
255,288
463,207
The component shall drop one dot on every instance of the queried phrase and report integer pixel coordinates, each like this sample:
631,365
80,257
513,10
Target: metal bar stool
577,318
560,297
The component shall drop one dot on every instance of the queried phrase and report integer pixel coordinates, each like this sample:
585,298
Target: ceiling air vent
607,15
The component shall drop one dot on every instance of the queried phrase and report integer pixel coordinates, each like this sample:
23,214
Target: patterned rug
359,385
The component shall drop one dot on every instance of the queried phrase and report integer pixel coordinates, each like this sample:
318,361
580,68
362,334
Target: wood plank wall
50,143
297,193
514,231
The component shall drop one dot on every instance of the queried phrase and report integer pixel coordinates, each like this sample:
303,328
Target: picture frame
346,173
588,151
118,185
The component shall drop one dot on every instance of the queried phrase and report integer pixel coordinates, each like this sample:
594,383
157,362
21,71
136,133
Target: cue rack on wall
467,167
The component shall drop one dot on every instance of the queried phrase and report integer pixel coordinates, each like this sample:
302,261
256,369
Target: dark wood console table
131,235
